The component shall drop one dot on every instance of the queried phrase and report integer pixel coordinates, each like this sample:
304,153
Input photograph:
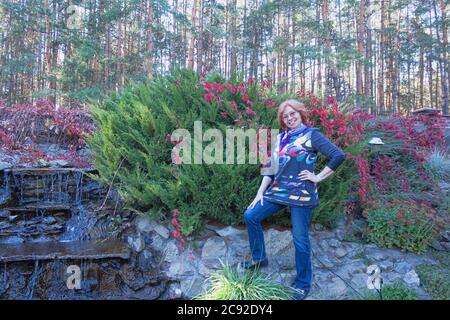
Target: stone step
73,250
40,207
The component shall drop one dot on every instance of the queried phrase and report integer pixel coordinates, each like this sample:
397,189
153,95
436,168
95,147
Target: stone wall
339,267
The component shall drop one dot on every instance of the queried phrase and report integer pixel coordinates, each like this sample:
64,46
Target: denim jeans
300,219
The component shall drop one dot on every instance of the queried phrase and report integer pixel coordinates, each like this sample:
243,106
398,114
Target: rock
359,280
318,227
341,252
49,220
386,265
390,277
446,236
322,262
136,242
180,269
445,187
214,247
279,243
4,213
284,262
193,286
437,245
84,153
337,288
157,242
58,163
411,278
144,224
376,254
349,269
340,234
333,243
146,260
171,253
214,251
5,165
162,231
229,231
402,267
5,196
41,163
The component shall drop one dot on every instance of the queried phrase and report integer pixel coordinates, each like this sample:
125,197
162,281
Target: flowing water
50,225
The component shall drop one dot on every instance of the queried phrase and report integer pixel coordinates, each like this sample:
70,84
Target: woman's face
291,118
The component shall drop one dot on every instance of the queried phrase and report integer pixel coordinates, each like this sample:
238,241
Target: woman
289,180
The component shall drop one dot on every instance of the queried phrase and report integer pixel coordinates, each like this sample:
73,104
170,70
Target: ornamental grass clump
232,284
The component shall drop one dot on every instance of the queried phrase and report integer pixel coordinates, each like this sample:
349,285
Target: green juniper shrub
132,149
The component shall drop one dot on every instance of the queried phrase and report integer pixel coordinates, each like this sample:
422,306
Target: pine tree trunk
380,85
192,36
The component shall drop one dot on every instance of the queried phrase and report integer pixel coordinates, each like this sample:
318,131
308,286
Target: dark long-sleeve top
295,151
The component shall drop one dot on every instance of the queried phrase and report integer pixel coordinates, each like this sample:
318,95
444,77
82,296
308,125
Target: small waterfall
79,224
50,221
33,280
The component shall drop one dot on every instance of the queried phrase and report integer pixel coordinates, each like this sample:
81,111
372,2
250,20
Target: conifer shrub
132,146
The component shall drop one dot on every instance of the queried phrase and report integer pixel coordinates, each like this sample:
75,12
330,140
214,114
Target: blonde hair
297,106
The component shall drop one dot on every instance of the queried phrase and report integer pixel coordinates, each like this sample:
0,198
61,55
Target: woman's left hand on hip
308,175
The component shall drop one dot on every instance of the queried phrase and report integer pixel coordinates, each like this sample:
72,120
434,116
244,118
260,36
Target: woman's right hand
259,197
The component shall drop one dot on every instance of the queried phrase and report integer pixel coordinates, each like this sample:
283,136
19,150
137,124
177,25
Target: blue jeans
300,219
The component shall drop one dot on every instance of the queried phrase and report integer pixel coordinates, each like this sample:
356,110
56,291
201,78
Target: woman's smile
291,118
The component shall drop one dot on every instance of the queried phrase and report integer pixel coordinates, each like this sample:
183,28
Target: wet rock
4,213
5,165
136,242
144,224
58,163
41,163
49,220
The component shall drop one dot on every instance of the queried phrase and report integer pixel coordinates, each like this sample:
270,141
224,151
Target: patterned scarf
288,134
